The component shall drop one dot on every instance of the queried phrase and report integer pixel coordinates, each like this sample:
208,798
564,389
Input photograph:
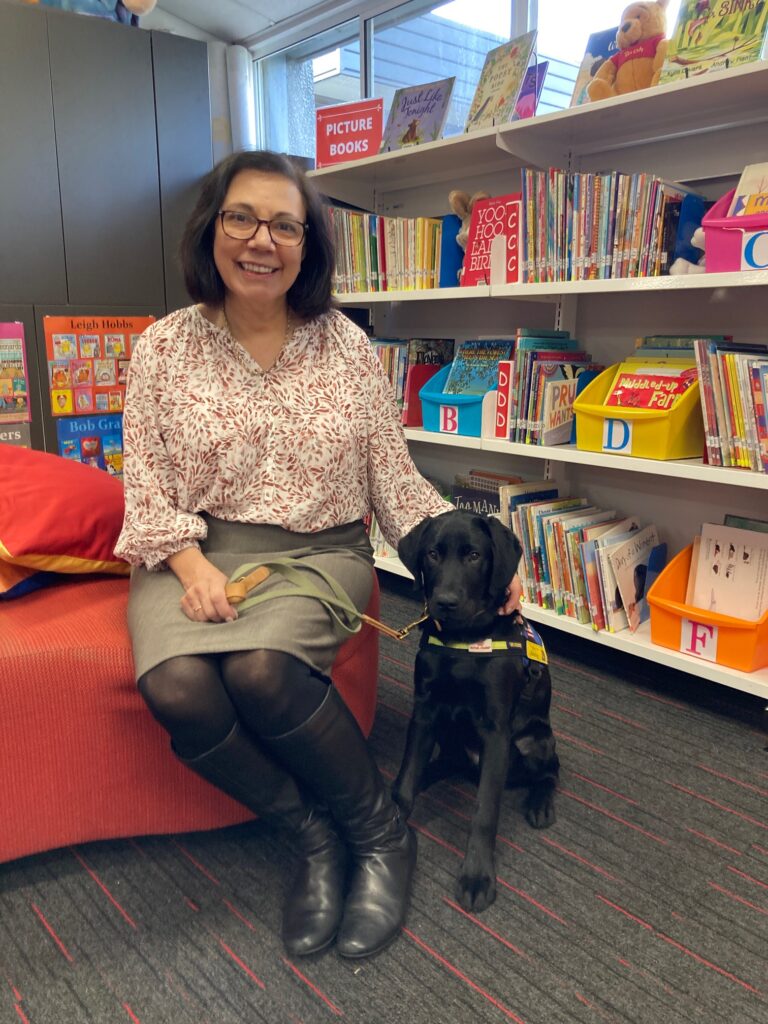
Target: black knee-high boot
330,755
315,903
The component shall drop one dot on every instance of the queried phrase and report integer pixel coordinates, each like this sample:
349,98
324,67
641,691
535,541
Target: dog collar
531,647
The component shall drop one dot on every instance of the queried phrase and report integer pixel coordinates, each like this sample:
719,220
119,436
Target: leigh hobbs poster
88,361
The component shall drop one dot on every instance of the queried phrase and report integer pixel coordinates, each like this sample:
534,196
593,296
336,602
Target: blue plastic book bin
450,414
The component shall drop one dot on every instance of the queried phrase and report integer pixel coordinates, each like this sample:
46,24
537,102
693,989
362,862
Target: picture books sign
348,131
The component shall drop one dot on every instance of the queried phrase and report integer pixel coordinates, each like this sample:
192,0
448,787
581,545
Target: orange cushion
58,515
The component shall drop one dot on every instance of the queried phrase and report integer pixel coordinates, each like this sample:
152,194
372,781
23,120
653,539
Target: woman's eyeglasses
282,230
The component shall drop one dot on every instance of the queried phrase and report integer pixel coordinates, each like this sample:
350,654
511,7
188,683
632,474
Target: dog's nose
446,603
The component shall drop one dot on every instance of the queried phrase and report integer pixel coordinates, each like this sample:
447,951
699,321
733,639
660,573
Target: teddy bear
642,47
126,12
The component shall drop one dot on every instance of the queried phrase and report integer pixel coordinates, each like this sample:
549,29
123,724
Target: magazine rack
452,414
734,243
676,433
736,643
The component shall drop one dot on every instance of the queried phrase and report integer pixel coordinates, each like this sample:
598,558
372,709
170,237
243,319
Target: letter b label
449,419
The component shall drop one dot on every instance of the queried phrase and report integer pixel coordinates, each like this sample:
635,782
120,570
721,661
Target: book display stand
702,133
677,433
451,413
727,641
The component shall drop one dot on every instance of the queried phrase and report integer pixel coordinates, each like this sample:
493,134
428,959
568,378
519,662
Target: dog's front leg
476,888
419,744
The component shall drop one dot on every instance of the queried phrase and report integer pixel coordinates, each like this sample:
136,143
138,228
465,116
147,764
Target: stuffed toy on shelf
642,47
127,12
461,204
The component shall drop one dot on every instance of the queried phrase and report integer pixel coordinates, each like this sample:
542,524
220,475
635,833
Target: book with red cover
498,216
416,378
639,390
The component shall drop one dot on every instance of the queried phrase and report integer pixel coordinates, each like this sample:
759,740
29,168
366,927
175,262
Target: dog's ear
506,552
409,549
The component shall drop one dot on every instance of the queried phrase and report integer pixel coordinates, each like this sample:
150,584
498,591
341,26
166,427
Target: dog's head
463,563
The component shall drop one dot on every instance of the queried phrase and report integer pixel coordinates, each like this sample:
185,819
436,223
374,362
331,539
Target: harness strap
338,603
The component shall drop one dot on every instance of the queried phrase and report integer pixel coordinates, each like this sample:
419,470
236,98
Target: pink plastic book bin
734,243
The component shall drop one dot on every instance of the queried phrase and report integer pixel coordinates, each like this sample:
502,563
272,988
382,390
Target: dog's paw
540,810
475,892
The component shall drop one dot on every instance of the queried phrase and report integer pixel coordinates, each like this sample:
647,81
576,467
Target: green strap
337,603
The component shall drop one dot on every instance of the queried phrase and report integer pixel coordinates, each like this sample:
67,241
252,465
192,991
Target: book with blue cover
600,46
475,368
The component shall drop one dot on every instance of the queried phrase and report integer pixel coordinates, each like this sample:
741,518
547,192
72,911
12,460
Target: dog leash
337,603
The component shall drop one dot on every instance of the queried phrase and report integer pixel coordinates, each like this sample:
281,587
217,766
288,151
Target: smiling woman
259,423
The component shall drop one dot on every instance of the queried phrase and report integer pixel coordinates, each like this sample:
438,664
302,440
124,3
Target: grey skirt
300,626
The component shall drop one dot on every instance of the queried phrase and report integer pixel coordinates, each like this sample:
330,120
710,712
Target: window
293,83
418,42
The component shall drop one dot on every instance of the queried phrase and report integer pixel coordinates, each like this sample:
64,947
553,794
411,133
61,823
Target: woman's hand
514,593
204,599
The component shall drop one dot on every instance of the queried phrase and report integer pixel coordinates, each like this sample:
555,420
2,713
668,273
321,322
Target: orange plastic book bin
735,643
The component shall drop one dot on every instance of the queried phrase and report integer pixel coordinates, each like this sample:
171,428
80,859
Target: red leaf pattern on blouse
313,442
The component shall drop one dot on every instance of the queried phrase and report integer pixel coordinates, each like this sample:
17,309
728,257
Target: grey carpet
646,902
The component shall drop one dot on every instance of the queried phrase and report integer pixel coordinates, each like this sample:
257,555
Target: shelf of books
637,643
679,469
671,116
602,187
554,290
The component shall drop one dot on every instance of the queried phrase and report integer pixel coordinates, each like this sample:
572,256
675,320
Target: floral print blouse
311,443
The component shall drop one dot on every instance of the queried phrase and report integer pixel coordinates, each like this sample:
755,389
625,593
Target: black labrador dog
482,687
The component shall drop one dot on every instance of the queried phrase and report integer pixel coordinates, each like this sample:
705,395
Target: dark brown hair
310,294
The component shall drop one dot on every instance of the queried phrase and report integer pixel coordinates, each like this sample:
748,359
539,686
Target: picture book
475,368
613,606
710,35
650,387
752,187
530,91
496,217
600,46
500,81
14,388
512,495
732,572
633,562
558,393
417,114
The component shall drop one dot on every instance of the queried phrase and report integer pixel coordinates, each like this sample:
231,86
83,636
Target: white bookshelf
638,643
702,131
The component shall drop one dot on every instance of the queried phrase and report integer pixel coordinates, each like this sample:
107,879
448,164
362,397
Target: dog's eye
473,556
432,555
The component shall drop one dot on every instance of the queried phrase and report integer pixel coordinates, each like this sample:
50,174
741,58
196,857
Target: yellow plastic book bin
707,635
677,433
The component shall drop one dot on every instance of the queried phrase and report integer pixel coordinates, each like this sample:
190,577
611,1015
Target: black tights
198,698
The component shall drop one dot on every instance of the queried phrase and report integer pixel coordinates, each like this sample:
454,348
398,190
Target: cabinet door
32,247
107,151
184,144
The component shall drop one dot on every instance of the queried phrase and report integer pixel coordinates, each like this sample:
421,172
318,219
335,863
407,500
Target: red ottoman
81,758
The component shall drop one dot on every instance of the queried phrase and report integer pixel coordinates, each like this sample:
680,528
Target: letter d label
617,436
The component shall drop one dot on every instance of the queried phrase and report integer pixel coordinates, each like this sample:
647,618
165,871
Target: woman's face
256,269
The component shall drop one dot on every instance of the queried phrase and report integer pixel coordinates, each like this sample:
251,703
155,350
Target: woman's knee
259,674
182,690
